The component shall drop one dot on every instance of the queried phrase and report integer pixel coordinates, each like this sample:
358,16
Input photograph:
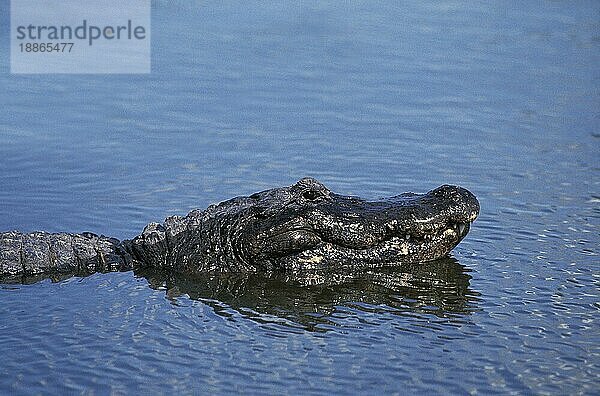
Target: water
373,100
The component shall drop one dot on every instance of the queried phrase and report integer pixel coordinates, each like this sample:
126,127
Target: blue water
373,99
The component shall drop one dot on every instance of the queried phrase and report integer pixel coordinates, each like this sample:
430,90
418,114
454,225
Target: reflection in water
311,299
314,298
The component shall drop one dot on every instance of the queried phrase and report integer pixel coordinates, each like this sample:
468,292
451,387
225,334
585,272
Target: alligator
301,227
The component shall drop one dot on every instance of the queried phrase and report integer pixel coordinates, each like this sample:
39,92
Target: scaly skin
301,227
42,252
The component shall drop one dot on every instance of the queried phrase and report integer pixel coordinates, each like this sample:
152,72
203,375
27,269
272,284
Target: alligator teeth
461,228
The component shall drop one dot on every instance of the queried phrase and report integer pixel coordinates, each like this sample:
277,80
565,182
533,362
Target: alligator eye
312,195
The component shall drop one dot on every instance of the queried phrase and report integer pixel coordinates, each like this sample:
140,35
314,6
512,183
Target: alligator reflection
439,288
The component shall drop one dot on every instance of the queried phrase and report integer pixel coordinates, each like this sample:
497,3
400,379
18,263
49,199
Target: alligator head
306,226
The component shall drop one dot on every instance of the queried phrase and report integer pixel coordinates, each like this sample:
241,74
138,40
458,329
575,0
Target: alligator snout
465,206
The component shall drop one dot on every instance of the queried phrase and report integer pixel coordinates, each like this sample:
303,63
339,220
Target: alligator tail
42,253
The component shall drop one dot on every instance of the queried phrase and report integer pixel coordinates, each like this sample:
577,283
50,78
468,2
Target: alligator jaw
395,249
